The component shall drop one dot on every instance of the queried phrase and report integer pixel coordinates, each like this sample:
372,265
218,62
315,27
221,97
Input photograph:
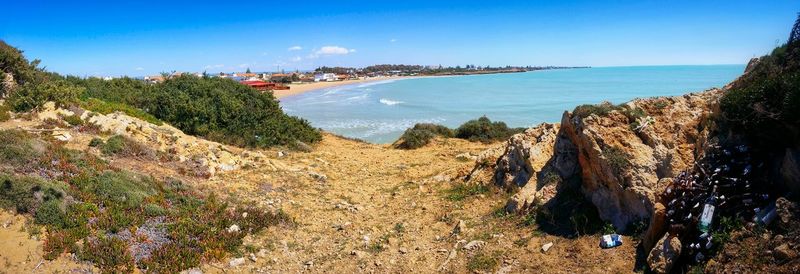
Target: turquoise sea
380,111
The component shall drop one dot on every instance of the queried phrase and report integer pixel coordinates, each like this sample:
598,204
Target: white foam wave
389,102
368,128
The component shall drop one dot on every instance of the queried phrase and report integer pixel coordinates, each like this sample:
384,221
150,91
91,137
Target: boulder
663,256
784,252
786,210
657,227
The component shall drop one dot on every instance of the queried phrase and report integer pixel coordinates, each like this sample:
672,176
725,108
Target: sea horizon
378,112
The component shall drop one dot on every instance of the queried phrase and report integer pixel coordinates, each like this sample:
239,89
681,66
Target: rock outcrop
623,162
211,156
662,258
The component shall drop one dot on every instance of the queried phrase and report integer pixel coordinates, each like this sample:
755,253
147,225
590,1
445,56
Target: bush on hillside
414,138
764,104
484,130
4,113
218,109
31,86
104,107
421,135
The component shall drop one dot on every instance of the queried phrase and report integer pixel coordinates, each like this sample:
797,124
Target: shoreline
297,89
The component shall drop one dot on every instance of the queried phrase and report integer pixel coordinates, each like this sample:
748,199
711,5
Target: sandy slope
376,210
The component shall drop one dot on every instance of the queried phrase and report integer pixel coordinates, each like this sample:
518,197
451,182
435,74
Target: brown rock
663,256
621,167
786,210
784,252
657,226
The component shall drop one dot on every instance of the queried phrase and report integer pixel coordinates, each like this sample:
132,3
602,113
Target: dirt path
386,210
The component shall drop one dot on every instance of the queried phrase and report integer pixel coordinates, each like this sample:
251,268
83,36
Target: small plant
661,104
96,142
73,120
618,159
50,213
460,192
4,113
415,138
399,228
484,130
122,146
608,228
602,109
482,262
104,107
109,253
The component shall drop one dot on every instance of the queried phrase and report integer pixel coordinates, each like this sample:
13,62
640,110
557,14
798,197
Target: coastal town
282,80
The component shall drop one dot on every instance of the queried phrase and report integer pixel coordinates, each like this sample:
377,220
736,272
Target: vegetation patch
484,130
764,103
617,158
478,130
459,192
483,262
103,107
122,146
110,211
5,114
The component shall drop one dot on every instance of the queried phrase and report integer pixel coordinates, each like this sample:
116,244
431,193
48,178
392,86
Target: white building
324,77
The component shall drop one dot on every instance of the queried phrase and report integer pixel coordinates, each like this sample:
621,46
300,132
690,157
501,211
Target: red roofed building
263,86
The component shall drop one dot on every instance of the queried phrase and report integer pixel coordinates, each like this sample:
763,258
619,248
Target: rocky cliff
620,157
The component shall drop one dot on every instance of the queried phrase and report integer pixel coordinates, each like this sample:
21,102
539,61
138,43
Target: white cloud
214,66
297,59
295,48
392,40
139,68
243,65
333,50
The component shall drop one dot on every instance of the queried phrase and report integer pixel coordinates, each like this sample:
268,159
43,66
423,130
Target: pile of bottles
722,185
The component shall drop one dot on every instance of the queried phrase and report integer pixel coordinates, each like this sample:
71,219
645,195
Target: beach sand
295,89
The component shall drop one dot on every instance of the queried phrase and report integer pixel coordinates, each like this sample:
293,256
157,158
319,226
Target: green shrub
484,130
50,213
16,147
764,104
617,158
19,192
602,109
33,95
4,113
218,109
110,254
154,210
421,135
96,142
482,262
73,120
460,192
122,146
104,107
435,129
415,138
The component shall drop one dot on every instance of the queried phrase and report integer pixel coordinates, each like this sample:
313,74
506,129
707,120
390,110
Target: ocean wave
368,128
389,102
376,83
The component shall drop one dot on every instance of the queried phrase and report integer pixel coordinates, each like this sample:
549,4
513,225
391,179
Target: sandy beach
295,89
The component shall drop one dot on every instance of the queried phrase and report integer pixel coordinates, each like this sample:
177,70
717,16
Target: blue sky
146,37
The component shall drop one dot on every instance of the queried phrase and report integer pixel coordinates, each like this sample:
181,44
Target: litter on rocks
610,241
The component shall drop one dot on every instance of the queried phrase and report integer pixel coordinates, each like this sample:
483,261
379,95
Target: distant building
324,77
154,79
